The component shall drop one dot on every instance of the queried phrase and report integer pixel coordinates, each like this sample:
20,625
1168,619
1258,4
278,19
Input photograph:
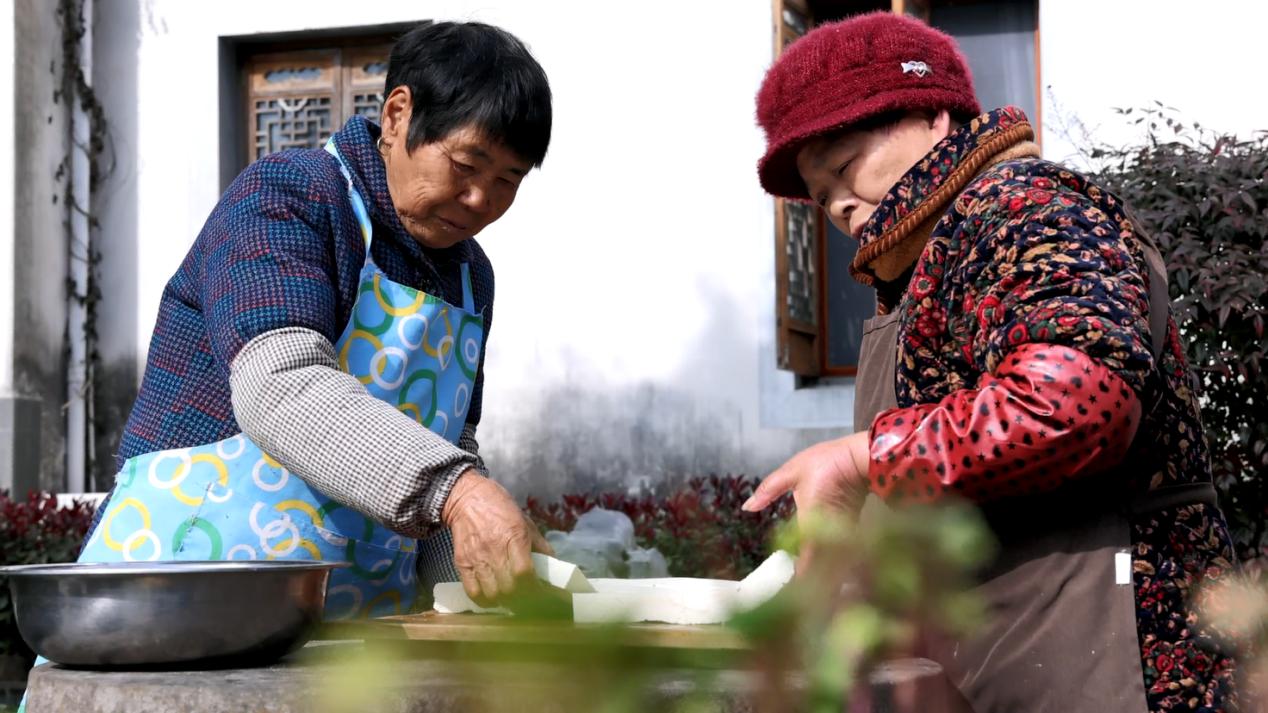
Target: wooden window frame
340,77
235,56
799,344
802,347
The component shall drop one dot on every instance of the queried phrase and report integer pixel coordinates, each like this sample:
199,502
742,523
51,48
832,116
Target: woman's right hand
492,538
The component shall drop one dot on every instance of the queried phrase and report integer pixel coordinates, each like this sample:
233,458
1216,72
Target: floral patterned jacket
1025,363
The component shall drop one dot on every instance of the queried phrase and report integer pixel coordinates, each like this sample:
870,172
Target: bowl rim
165,567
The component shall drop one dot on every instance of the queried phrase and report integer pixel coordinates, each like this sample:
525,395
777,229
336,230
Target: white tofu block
666,584
766,581
672,600
451,598
560,574
707,606
681,600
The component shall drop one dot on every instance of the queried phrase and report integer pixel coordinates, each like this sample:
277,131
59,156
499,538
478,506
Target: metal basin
168,614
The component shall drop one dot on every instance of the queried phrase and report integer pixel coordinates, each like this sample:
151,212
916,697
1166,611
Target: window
295,90
819,308
298,99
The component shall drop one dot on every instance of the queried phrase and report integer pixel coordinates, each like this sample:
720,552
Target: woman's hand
831,475
492,539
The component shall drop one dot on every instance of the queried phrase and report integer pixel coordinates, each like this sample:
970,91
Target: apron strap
1171,496
1159,313
358,205
468,301
1156,273
1159,297
1159,306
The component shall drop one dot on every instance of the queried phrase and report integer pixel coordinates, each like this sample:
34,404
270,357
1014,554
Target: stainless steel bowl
168,614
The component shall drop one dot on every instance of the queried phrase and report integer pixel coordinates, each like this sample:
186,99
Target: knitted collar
356,144
920,197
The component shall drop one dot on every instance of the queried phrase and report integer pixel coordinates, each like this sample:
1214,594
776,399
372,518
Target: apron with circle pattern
230,500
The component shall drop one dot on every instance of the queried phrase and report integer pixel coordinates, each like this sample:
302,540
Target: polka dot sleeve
1047,415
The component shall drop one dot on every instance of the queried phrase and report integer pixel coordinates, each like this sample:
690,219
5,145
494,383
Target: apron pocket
380,580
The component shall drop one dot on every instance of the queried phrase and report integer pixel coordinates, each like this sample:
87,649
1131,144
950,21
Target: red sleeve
1048,414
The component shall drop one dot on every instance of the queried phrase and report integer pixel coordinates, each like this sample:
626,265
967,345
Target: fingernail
748,505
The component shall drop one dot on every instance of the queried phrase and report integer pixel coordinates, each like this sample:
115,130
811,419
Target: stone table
352,676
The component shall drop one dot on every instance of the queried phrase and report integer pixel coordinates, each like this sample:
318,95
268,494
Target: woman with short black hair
315,378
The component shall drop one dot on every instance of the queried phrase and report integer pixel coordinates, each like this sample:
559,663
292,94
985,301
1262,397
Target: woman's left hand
831,475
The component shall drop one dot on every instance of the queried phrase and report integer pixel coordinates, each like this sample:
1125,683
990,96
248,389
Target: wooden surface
493,629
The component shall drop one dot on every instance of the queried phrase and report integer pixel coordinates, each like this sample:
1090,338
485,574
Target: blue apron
230,500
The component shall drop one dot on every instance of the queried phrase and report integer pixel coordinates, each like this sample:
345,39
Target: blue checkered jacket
281,249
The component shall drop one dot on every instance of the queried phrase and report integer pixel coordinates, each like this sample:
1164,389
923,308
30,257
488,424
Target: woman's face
848,174
446,191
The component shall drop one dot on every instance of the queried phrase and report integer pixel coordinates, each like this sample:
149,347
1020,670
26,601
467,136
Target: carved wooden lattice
297,123
801,245
296,100
365,72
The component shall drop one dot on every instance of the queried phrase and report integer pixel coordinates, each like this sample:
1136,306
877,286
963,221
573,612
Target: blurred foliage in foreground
871,592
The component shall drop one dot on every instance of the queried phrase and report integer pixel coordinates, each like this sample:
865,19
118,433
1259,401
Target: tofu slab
671,600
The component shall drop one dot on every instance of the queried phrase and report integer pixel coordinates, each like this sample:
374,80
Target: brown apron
1061,629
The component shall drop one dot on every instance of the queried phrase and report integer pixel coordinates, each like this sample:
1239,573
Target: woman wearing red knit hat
1023,356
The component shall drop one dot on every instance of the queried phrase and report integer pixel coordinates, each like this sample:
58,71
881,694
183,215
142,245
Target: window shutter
797,245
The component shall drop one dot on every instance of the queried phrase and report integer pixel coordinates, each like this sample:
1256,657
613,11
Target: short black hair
464,74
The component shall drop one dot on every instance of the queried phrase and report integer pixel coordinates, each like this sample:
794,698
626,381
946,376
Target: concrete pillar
33,144
19,415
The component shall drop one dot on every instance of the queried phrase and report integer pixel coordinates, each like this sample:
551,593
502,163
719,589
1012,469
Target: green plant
73,87
698,526
35,531
1204,196
873,589
871,592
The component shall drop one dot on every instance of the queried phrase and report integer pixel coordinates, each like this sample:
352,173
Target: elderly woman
1023,357
315,378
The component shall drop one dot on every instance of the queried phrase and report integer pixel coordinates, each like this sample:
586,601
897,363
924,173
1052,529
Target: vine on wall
73,86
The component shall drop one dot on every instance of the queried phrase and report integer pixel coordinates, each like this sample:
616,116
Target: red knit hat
850,71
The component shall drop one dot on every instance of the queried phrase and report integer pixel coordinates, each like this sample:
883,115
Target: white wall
634,317
633,332
8,70
1205,59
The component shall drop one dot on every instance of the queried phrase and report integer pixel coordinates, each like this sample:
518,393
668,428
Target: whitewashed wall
634,316
634,293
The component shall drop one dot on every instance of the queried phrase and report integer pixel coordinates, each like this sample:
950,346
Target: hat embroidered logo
920,69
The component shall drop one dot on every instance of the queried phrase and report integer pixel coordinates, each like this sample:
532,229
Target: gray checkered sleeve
467,442
291,399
